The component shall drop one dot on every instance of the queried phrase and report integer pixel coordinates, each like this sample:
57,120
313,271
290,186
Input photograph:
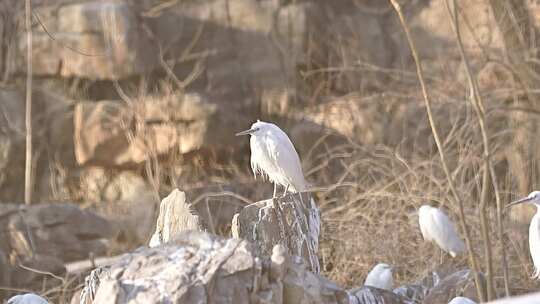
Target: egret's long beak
246,132
519,201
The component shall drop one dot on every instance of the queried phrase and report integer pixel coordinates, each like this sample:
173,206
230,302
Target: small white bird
380,276
461,300
534,230
273,155
437,227
27,298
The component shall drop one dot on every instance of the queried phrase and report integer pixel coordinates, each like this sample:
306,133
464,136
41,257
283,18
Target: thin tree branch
28,111
478,105
427,100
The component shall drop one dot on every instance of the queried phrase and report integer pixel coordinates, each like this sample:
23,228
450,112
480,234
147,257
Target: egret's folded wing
446,234
286,160
424,220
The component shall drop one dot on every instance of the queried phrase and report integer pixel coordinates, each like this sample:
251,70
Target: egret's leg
275,190
441,260
286,189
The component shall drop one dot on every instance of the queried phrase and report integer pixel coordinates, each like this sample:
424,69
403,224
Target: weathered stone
51,136
460,283
176,215
362,49
12,143
124,198
217,206
415,293
110,133
5,274
62,231
434,37
350,117
373,295
24,276
200,268
293,222
92,39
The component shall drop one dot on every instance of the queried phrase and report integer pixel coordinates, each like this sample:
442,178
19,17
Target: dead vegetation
369,191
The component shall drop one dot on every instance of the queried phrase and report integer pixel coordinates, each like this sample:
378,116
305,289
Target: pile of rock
201,268
40,239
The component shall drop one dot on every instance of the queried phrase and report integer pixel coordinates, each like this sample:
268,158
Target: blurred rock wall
122,86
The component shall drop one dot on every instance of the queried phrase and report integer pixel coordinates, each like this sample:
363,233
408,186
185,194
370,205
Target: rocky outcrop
60,230
116,134
176,215
124,198
372,295
43,237
92,39
460,283
200,268
292,221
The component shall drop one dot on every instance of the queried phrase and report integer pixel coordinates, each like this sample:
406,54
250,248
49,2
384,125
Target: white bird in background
380,276
28,298
273,155
437,227
534,230
461,300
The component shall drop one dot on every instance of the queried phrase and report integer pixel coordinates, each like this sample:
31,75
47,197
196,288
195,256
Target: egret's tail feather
536,274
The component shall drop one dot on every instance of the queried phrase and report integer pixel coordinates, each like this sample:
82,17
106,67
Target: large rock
460,283
92,39
52,137
372,295
62,231
292,221
111,133
200,268
12,143
24,273
124,198
176,215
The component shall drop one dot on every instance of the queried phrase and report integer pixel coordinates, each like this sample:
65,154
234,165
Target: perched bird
273,155
27,298
461,300
437,227
534,230
380,276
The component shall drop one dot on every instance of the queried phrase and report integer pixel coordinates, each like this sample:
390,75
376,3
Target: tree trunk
518,33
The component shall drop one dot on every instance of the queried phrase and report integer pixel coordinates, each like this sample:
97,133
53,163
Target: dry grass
369,212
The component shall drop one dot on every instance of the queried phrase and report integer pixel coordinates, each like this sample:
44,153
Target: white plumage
534,230
437,227
28,298
461,300
273,155
380,276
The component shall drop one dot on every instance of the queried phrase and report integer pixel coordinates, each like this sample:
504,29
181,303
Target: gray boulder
200,268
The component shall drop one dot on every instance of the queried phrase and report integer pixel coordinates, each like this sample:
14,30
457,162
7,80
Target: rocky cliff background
132,99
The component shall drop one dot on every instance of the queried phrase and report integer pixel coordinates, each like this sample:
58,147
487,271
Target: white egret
534,230
461,300
380,276
273,155
437,227
27,298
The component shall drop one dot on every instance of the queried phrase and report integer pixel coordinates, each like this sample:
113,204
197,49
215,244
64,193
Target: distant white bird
273,155
461,300
437,227
380,276
27,298
534,230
